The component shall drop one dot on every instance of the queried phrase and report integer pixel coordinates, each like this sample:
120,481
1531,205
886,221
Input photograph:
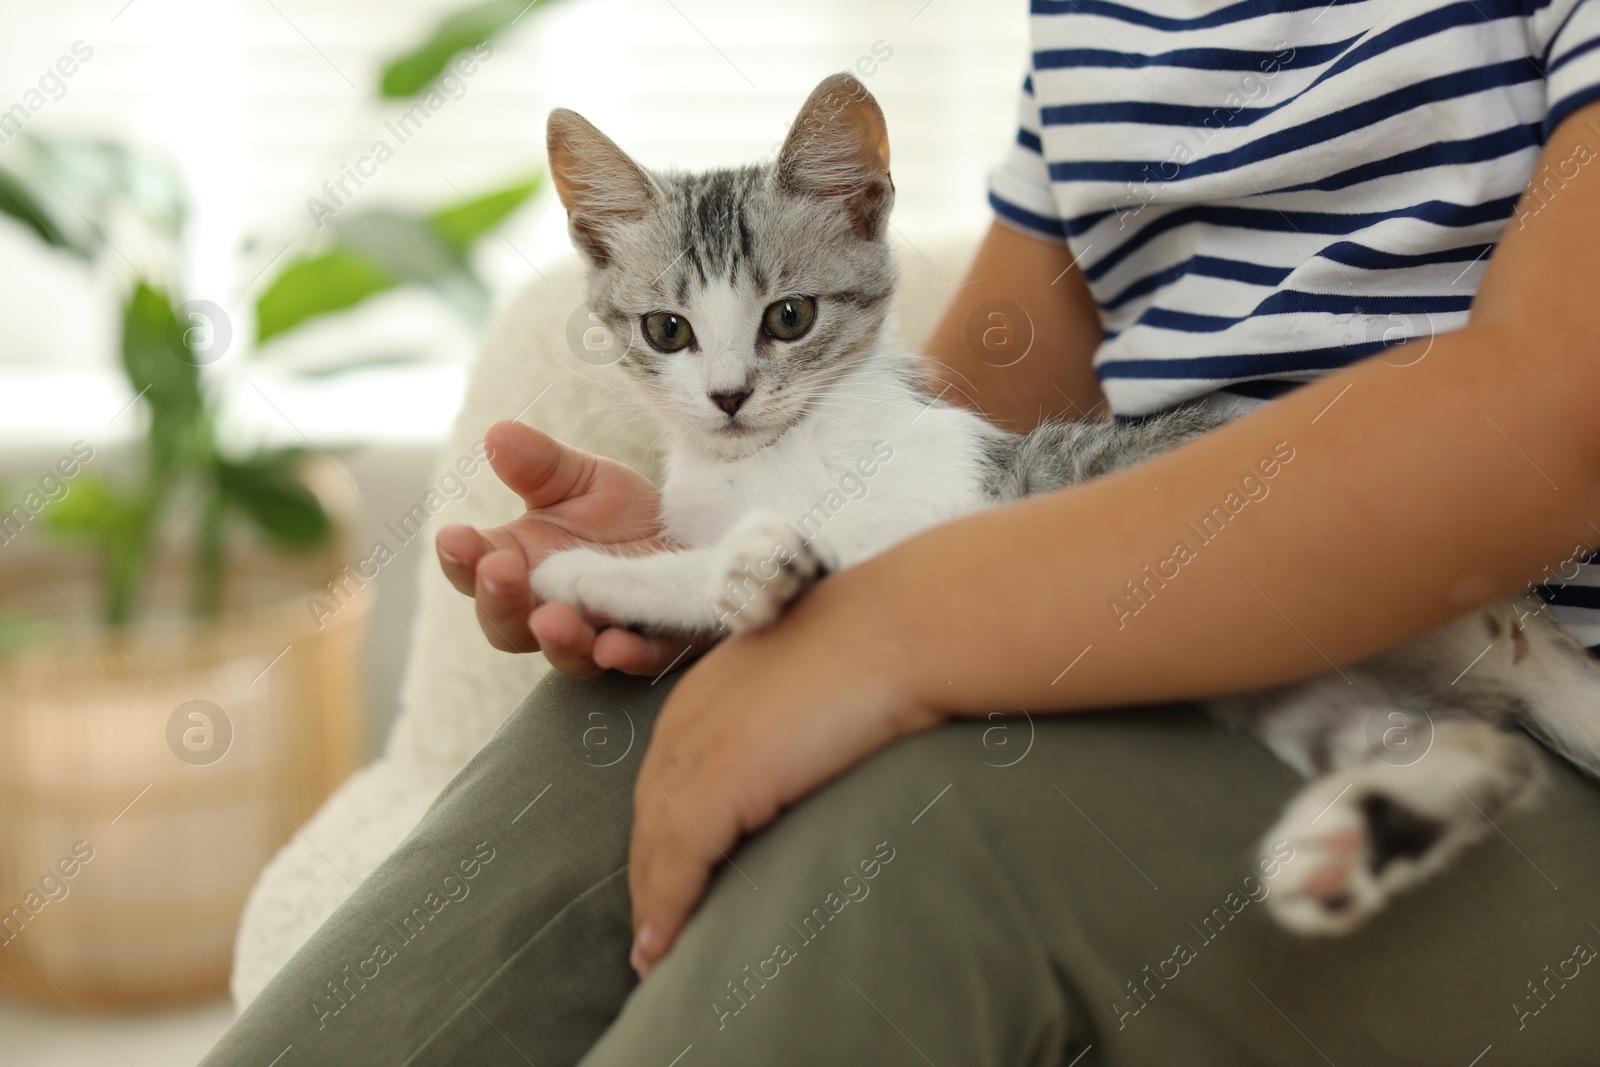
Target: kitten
753,302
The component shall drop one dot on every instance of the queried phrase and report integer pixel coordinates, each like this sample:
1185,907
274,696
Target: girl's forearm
1017,339
1355,514
1384,501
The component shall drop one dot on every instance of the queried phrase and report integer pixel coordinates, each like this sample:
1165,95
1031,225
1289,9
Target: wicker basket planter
148,774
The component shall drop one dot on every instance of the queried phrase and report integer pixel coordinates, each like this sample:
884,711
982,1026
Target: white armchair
457,689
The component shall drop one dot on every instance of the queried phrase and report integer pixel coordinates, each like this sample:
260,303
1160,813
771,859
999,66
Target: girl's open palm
574,499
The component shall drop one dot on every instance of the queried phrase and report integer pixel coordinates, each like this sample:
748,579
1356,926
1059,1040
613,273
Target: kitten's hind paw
1327,887
1377,830
1354,848
762,564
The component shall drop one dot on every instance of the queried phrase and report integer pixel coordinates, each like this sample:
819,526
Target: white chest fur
872,463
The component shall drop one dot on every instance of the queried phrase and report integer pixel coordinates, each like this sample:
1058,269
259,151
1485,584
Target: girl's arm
1022,294
1421,485
1444,474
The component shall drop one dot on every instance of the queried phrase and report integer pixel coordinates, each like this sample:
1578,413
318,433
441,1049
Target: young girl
1289,202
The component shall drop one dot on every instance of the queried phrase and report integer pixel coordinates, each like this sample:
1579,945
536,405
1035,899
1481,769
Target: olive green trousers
1067,891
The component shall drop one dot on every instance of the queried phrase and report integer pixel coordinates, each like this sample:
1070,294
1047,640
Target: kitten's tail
1059,454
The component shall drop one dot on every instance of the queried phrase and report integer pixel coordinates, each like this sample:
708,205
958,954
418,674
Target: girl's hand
574,500
756,725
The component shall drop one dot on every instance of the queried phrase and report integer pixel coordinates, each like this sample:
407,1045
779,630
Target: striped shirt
1261,192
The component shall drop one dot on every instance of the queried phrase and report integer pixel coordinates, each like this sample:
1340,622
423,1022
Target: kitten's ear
838,150
600,186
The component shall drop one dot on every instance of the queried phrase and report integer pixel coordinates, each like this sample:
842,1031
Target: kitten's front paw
576,577
1354,849
761,565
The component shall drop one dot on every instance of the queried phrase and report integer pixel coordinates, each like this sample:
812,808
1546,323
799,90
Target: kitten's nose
730,402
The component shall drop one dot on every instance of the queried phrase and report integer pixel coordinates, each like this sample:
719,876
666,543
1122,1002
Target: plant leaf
316,285
466,222
93,509
95,174
18,202
161,369
100,179
412,250
269,490
409,74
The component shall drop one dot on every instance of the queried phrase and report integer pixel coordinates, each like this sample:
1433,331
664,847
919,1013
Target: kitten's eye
788,320
667,332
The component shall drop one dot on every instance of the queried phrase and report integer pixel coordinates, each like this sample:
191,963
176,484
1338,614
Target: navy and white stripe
1260,192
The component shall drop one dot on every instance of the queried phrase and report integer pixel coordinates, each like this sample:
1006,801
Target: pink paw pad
1328,882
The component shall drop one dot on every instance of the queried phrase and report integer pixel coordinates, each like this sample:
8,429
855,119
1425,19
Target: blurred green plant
180,452
19,202
364,253
371,252
374,251
96,178
161,355
408,75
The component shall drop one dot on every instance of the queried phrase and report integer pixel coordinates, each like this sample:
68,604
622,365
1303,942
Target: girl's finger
500,587
460,548
623,650
671,864
566,638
